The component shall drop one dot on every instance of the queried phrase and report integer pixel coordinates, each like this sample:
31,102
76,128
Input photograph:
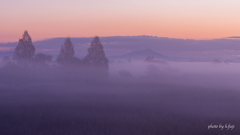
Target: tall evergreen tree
25,49
66,54
96,57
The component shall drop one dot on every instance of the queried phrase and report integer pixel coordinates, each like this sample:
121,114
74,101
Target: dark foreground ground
117,108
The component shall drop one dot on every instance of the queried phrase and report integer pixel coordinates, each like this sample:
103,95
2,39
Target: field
117,107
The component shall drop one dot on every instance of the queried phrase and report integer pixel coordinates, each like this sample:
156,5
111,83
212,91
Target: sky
185,19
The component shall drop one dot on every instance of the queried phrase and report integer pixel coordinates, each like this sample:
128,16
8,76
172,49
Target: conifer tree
66,54
96,58
25,49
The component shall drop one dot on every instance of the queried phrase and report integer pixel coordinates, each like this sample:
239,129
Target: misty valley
96,95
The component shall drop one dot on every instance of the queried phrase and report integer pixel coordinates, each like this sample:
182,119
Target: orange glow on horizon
174,19
130,28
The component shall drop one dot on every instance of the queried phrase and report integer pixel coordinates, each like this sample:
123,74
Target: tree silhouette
5,60
96,57
66,54
42,58
25,49
149,58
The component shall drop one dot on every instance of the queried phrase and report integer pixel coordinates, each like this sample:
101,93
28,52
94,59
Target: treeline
26,66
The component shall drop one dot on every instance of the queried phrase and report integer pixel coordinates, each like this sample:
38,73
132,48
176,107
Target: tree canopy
96,60
96,55
25,49
66,54
42,58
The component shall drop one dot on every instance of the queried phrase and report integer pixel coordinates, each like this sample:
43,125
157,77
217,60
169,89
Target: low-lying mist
204,74
137,97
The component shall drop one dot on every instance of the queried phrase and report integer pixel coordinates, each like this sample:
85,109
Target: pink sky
188,19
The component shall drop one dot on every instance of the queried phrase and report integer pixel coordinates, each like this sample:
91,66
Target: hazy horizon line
230,37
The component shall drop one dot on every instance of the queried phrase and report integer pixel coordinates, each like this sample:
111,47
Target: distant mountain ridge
223,49
142,54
